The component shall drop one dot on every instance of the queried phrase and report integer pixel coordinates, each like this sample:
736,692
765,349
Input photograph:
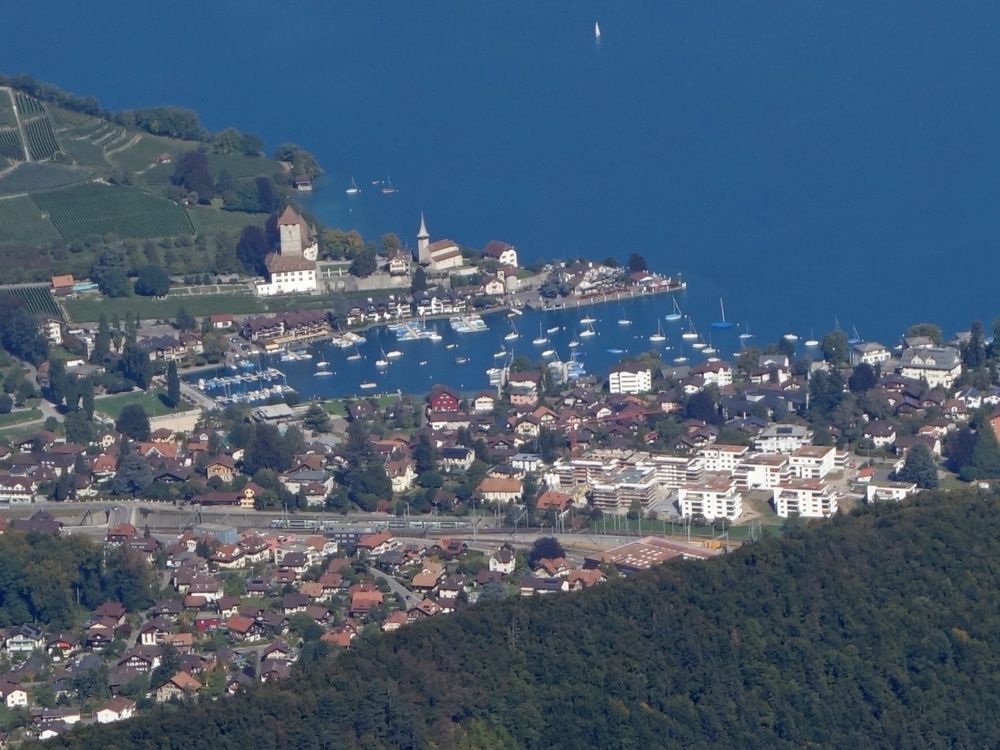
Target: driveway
409,598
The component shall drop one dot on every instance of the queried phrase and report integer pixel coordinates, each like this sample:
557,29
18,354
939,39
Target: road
409,598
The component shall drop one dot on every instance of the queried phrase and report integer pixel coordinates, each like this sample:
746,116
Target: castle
292,269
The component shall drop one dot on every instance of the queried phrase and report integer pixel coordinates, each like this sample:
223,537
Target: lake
808,162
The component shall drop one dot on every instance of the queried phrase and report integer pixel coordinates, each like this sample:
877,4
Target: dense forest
880,629
49,580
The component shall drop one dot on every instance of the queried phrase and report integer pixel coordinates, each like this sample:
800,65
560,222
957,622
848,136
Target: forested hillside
876,630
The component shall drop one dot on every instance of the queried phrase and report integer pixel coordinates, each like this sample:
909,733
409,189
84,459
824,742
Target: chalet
13,695
373,545
241,628
363,602
503,561
115,709
223,467
483,402
179,686
23,640
456,459
501,252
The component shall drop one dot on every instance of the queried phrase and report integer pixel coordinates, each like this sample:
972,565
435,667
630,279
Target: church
437,256
292,269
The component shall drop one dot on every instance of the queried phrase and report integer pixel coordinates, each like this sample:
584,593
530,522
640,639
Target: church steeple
423,240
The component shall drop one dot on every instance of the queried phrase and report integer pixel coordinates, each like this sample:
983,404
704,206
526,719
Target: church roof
289,216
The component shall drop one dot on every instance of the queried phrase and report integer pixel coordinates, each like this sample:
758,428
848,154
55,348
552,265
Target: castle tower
290,232
423,241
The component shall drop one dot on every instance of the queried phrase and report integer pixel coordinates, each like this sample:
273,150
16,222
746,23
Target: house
457,458
180,685
223,467
869,353
222,321
483,402
399,263
377,544
888,490
394,621
882,434
936,366
62,285
501,252
499,490
557,501
13,695
783,438
23,640
630,377
116,709
503,561
362,602
442,399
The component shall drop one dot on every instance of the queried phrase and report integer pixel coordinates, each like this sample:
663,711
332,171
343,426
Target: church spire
423,233
423,242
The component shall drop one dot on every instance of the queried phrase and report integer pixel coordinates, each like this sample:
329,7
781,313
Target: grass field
207,220
142,154
37,299
22,222
149,400
19,417
240,166
89,310
101,209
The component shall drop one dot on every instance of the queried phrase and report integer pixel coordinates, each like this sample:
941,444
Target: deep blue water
807,161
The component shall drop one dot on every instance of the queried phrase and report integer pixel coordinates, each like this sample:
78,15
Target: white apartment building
723,458
870,353
763,472
566,474
616,493
783,438
717,498
676,471
629,377
891,491
807,498
813,461
714,373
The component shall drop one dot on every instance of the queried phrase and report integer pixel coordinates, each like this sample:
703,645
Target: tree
702,406
419,283
862,379
132,475
545,548
301,160
110,272
636,263
79,427
173,385
267,197
6,404
316,419
919,468
985,460
133,422
391,243
931,331
252,249
424,454
974,350
152,281
549,442
135,365
835,347
184,321
102,340
193,174
364,263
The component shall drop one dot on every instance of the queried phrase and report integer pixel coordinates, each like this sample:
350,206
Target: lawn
22,222
150,401
101,209
209,220
19,417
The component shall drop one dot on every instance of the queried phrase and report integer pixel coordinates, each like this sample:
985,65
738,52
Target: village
274,527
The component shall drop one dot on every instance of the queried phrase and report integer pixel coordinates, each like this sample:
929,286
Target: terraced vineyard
38,300
41,139
10,145
101,209
28,105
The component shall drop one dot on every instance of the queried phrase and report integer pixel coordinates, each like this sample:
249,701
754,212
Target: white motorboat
549,353
368,385
394,354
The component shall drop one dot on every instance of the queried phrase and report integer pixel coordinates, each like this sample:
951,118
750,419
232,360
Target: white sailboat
597,30
746,335
382,362
690,334
812,342
353,189
574,343
355,356
588,320
541,338
512,334
588,331
658,337
676,314
388,188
